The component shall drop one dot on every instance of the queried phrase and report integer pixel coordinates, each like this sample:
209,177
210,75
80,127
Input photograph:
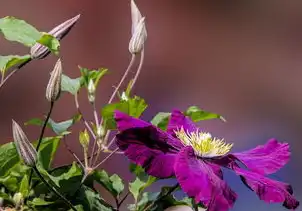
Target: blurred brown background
241,59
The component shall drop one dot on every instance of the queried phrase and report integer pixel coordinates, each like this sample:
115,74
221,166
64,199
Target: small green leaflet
6,62
73,85
60,128
197,114
112,184
70,85
161,119
133,106
95,75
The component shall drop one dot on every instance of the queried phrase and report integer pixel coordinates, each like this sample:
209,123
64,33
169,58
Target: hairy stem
138,69
82,117
122,79
106,158
51,188
73,153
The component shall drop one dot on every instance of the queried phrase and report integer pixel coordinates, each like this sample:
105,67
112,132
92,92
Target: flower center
203,144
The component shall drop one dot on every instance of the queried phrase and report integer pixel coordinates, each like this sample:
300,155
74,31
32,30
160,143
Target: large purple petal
268,190
198,180
124,121
265,159
178,120
150,148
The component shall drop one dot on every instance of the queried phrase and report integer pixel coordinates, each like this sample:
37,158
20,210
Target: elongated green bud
53,88
39,51
25,149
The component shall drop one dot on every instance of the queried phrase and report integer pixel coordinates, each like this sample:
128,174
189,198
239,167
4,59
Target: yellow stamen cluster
203,143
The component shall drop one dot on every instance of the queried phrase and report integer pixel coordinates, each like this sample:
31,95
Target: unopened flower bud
25,149
54,84
39,51
84,139
91,91
136,16
138,38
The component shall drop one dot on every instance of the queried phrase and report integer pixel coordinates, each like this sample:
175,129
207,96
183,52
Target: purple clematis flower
195,158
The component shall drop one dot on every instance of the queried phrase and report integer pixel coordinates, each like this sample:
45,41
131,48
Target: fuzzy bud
138,38
25,149
54,84
91,91
39,51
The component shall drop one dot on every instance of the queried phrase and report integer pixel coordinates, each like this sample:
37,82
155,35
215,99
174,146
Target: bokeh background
241,59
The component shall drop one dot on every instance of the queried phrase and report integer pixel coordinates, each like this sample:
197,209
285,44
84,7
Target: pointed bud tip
53,88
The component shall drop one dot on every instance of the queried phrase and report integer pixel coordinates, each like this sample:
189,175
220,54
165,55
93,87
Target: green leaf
50,42
136,187
113,184
47,151
133,107
6,198
11,183
70,85
8,158
67,182
91,201
34,121
17,30
40,202
24,186
197,114
117,183
161,120
60,128
95,75
7,62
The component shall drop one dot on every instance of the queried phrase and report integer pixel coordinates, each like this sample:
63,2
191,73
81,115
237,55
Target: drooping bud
91,91
39,51
25,149
53,88
138,38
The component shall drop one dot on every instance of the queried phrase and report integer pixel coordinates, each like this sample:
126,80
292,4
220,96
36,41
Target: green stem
51,188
